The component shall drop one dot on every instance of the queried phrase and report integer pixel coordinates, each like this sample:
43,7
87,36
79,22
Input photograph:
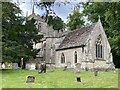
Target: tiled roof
77,37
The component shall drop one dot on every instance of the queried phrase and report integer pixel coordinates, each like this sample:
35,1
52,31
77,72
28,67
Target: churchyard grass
59,79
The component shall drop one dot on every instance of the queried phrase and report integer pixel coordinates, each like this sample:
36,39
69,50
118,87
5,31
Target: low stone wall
99,65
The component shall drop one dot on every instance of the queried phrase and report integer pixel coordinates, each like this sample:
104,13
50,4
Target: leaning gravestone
52,68
30,79
112,66
15,65
77,68
65,68
42,68
95,72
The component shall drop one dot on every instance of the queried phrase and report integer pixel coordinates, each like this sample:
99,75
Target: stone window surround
62,58
75,57
99,48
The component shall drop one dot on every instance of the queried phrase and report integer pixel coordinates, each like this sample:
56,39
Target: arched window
75,55
99,48
62,58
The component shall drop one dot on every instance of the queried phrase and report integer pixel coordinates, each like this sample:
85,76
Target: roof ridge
82,27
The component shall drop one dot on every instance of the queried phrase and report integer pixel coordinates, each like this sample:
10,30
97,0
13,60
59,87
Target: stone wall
88,56
98,30
69,57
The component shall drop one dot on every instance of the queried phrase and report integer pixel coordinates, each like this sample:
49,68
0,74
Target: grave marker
32,66
77,68
42,68
52,68
0,65
28,66
78,79
15,65
30,79
3,65
65,68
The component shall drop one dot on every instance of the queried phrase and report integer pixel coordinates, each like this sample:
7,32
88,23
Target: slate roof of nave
77,37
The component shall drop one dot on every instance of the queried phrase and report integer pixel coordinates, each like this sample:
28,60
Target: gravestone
30,79
37,66
0,65
52,68
6,64
15,65
42,68
95,72
9,65
112,66
32,66
78,79
3,65
68,64
27,66
65,68
77,68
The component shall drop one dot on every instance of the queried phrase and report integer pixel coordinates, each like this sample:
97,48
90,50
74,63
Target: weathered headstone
112,66
95,72
6,64
15,65
3,65
9,65
32,66
52,68
68,64
0,65
78,79
42,68
37,66
30,79
77,68
65,68
27,66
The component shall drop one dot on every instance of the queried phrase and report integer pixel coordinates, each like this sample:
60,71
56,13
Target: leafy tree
75,20
44,4
109,12
56,22
18,35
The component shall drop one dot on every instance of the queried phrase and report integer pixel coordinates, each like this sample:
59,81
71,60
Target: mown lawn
59,79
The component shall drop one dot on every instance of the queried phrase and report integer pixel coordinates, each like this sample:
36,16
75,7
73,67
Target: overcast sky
62,11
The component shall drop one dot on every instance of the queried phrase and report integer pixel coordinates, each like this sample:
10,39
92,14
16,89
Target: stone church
88,46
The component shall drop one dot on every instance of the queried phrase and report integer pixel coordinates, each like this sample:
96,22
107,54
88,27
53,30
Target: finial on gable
99,18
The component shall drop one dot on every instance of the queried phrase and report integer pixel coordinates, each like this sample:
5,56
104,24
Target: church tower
33,10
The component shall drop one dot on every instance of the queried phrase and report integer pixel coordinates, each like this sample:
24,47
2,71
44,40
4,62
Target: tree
56,23
44,4
18,35
109,13
75,20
